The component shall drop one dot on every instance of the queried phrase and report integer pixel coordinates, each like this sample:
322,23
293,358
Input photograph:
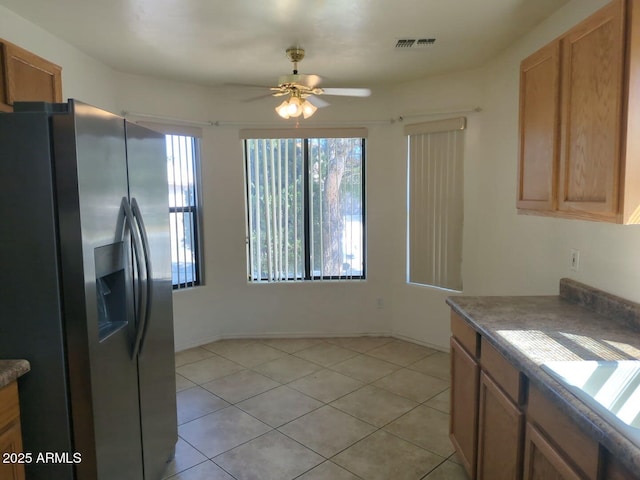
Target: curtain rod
440,112
166,119
223,123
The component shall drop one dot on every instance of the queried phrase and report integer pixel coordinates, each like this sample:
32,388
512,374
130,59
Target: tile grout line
323,403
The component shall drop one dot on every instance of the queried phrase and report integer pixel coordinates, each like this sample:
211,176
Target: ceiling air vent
405,43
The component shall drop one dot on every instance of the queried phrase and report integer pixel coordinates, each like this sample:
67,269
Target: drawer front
563,432
464,334
501,371
9,407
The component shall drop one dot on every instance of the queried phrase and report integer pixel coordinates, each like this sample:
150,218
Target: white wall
504,253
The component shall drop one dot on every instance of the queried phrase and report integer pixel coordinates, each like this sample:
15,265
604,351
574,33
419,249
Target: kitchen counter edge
11,370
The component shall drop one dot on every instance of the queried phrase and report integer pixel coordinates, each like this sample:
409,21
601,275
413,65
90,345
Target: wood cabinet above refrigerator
27,77
579,151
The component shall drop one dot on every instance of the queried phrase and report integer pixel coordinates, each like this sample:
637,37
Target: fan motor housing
295,54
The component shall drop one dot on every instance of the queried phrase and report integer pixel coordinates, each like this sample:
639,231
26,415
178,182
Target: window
183,172
305,199
435,203
182,158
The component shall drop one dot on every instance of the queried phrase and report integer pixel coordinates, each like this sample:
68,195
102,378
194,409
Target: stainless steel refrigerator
86,291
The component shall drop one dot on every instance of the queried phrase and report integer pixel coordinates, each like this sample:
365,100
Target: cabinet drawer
9,407
464,334
501,371
563,432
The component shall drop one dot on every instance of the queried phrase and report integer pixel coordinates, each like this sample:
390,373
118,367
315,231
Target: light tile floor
371,408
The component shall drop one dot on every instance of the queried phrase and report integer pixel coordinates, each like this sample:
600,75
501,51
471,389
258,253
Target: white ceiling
350,43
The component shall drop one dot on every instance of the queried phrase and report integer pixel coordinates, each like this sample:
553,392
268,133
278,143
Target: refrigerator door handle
137,215
140,266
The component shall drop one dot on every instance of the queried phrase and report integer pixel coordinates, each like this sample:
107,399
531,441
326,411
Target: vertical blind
305,204
182,148
275,214
435,197
183,215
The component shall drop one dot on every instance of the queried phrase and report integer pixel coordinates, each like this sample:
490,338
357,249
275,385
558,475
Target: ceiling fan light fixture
295,106
308,109
283,109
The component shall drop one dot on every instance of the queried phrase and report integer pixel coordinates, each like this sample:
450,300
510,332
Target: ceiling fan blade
317,101
259,97
250,85
347,92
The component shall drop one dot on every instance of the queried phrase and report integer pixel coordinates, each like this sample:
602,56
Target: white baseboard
203,341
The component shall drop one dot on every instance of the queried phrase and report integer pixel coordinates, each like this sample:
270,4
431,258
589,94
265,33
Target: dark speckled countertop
12,369
580,323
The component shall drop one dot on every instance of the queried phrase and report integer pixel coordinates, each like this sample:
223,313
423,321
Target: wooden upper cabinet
580,121
539,117
592,87
27,77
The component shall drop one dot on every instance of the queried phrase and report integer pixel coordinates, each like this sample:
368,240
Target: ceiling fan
303,90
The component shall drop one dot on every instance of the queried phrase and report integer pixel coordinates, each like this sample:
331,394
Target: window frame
195,211
308,275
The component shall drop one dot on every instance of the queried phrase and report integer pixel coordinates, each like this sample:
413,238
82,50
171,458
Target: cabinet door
463,420
11,442
592,94
542,461
28,77
539,129
10,432
500,429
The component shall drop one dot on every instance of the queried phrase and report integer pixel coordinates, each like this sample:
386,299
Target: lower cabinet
500,424
463,426
486,424
10,434
543,461
504,427
568,443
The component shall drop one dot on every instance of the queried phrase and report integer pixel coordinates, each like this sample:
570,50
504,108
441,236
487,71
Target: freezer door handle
137,215
140,267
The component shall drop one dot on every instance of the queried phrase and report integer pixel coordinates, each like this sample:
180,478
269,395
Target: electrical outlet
380,302
575,260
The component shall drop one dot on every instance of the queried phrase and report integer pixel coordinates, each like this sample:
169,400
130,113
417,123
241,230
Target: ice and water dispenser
111,278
